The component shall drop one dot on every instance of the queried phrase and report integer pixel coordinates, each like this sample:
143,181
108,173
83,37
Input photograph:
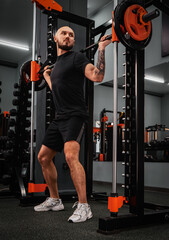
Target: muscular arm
96,73
100,67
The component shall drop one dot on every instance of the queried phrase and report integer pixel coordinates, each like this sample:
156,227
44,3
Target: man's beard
65,47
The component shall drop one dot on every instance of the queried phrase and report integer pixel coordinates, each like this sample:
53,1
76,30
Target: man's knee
71,150
43,159
71,159
45,155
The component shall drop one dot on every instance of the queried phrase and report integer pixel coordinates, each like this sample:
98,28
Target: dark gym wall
8,78
165,33
73,6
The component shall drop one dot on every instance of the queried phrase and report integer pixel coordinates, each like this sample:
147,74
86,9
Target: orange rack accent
104,119
48,5
119,125
101,157
114,36
35,67
146,136
6,114
32,187
114,203
96,129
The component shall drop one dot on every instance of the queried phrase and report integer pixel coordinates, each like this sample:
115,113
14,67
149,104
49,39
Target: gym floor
18,222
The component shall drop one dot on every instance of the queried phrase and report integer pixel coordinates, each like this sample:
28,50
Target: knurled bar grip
95,44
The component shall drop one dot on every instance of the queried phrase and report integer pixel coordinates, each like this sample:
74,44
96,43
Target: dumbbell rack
19,137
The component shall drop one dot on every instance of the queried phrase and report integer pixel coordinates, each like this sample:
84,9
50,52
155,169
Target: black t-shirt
67,80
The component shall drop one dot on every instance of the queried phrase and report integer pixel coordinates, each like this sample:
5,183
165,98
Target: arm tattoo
100,63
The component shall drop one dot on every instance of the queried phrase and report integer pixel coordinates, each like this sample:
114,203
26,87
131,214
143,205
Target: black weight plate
25,77
118,19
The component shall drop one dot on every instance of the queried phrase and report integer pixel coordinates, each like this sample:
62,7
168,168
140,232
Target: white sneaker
82,213
54,204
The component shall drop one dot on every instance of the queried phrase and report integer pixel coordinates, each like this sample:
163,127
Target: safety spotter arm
48,5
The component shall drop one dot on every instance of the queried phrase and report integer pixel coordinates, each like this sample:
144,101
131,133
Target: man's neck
61,51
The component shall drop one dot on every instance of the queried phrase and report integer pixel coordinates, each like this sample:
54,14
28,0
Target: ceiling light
154,79
14,45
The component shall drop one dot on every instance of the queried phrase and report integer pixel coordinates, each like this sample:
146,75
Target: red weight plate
135,26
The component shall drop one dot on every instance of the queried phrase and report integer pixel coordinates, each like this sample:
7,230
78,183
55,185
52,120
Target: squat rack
134,174
134,139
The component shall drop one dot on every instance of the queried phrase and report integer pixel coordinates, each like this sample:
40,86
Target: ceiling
16,25
94,5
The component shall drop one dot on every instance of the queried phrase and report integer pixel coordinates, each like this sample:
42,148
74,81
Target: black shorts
61,131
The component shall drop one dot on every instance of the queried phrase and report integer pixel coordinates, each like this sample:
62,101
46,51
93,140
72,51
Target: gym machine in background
156,143
104,136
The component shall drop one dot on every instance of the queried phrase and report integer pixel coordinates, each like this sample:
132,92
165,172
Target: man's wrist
101,47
